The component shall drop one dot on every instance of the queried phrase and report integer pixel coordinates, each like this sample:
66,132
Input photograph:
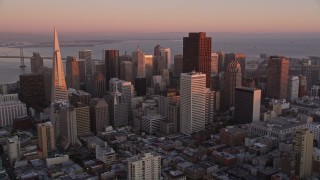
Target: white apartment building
144,167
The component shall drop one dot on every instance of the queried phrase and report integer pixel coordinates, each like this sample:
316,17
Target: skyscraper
165,53
192,102
233,80
85,55
240,57
112,64
138,58
59,87
149,68
83,119
97,85
302,86
277,77
221,57
32,91
99,113
157,50
68,126
126,71
215,63
82,71
46,139
293,88
118,108
247,105
312,74
303,148
72,77
36,62
178,65
59,91
197,54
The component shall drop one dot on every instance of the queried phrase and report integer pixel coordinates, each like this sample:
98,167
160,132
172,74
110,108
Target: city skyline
251,16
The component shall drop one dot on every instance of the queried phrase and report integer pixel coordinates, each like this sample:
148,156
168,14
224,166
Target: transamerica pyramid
59,87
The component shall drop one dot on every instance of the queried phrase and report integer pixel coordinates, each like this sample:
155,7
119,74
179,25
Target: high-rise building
126,71
36,61
233,79
99,113
144,167
174,112
178,65
247,105
138,58
32,90
46,138
303,148
192,102
165,53
118,108
277,77
82,71
72,77
85,55
98,67
96,85
68,120
158,84
157,50
112,64
302,86
214,63
293,88
240,57
47,76
197,54
149,68
59,87
83,119
9,110
140,86
209,105
312,74
221,57
127,90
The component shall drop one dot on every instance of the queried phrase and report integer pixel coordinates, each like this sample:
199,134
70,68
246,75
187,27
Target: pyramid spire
56,40
59,88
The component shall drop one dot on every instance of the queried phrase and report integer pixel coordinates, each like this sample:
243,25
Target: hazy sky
81,16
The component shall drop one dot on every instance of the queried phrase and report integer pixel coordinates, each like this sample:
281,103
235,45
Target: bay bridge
22,57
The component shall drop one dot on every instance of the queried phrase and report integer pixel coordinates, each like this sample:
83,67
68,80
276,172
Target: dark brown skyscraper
32,90
72,75
157,50
112,65
197,54
277,77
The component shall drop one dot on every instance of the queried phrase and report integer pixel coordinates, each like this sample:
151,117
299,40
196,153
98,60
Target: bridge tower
21,58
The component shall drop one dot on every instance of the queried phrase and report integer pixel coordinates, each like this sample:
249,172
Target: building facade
192,102
277,77
247,105
197,54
